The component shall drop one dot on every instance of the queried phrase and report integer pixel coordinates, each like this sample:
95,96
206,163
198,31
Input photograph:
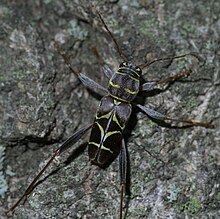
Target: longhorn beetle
106,139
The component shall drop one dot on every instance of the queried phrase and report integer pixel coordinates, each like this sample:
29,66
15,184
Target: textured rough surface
42,103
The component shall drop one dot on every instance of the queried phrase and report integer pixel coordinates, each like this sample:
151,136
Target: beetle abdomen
106,135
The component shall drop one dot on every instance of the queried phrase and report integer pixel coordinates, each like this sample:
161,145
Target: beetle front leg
159,116
89,83
92,85
108,71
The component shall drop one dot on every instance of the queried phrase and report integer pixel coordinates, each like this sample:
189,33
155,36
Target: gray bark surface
174,172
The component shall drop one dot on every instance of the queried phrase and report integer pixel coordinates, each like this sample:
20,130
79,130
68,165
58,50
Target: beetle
106,140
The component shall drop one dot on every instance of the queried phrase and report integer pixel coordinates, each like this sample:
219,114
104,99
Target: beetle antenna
196,55
123,57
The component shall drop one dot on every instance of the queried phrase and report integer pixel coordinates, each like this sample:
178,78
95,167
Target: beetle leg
108,71
92,85
159,116
73,139
68,143
148,86
123,172
183,74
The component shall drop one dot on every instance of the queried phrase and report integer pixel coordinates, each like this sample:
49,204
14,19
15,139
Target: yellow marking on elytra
118,98
101,130
102,147
107,149
114,85
105,116
112,133
130,91
94,143
116,121
121,73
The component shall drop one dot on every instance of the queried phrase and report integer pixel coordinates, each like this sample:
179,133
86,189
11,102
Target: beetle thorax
125,83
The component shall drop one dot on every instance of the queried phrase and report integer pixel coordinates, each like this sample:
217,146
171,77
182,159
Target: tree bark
174,173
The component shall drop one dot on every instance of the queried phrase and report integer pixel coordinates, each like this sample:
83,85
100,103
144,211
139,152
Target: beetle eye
138,70
123,64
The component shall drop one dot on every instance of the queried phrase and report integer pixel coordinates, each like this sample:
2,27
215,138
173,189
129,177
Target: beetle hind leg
159,116
123,162
67,144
